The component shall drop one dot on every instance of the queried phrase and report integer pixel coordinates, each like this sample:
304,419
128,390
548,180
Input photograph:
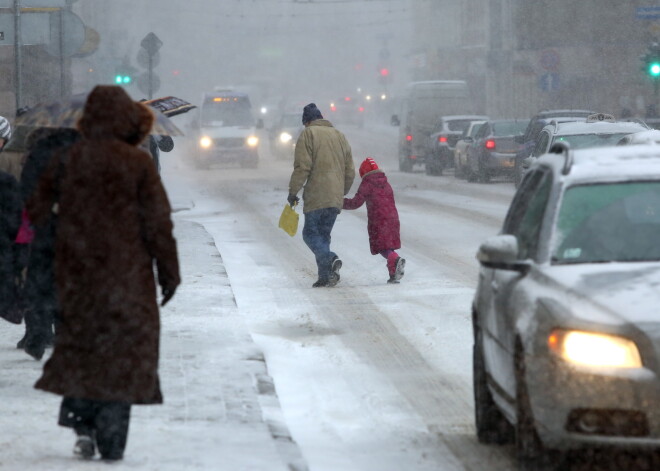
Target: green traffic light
123,79
654,69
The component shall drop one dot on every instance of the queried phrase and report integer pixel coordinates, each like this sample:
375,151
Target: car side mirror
501,252
394,121
468,139
260,123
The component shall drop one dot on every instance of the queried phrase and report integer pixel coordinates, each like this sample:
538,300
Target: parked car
597,130
460,150
284,134
536,123
566,349
493,152
446,132
347,110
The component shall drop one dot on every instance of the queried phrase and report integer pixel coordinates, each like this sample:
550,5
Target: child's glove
292,199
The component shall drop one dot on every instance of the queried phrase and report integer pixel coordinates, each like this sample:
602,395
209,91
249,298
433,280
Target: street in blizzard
372,338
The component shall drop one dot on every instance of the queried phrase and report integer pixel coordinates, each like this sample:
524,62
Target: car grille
229,142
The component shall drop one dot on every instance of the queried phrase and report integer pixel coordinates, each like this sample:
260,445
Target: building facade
520,56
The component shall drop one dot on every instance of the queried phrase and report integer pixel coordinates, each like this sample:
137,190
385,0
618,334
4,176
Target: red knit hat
367,166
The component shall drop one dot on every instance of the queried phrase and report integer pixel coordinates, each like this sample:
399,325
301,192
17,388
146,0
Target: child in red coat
382,216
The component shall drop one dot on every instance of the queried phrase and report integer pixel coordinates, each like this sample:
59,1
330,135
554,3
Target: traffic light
654,69
121,79
651,61
124,74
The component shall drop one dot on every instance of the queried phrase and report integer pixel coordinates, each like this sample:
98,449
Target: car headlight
205,142
252,141
285,137
594,349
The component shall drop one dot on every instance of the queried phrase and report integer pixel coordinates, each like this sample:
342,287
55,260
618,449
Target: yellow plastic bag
289,220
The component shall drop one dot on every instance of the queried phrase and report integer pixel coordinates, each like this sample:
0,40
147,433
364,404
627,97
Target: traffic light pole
151,76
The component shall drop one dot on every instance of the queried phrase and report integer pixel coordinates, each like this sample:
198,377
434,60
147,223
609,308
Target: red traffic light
384,72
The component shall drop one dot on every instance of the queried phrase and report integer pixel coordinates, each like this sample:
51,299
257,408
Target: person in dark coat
157,143
114,223
39,294
10,221
382,217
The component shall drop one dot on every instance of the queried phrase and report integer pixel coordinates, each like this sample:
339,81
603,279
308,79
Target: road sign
151,43
34,3
549,59
647,13
549,82
35,29
143,59
67,34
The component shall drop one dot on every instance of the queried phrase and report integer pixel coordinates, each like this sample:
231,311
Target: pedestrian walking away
383,223
10,221
323,168
113,225
39,294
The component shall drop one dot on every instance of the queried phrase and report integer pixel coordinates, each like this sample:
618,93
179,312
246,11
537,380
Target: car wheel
531,453
484,176
470,175
492,427
459,171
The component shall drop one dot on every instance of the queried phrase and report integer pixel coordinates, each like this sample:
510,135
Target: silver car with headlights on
565,316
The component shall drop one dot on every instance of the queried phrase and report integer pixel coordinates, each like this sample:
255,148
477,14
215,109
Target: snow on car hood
624,292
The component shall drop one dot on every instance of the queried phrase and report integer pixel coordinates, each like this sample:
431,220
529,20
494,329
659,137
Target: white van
423,103
227,130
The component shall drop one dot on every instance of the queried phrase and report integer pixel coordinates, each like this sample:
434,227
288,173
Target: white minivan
227,130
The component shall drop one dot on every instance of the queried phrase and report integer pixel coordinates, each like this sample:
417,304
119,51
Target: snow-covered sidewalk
220,410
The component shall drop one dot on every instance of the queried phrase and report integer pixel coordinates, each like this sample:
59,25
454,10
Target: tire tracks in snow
442,403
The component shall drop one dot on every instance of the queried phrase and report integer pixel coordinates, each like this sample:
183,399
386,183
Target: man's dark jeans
316,234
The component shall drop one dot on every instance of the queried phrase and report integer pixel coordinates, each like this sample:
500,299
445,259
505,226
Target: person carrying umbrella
114,224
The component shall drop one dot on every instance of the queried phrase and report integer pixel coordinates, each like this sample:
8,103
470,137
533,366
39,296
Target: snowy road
369,376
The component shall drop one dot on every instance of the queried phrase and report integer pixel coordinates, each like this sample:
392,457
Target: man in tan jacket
323,168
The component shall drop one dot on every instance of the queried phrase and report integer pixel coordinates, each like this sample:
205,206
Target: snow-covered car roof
613,163
599,127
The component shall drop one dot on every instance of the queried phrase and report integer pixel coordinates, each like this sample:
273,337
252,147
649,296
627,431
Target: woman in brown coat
113,224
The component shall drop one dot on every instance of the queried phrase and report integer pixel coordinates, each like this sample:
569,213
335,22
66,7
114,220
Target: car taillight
409,137
490,144
361,109
442,139
333,108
